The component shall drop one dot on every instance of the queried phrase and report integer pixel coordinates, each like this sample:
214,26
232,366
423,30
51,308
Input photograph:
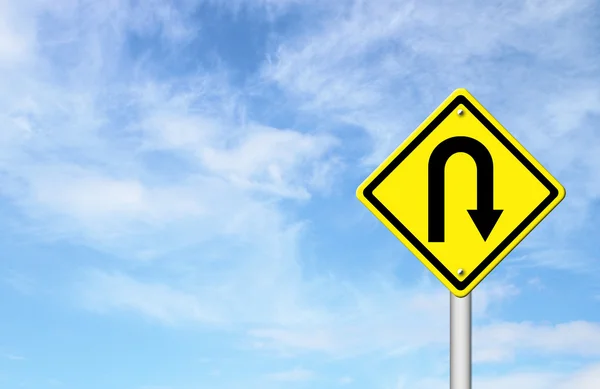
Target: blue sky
177,192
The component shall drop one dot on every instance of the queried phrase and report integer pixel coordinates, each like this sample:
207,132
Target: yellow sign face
460,192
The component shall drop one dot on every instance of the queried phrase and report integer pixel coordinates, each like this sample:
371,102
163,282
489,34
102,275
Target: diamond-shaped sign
460,192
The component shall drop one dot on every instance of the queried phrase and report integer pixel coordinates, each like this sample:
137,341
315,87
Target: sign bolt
460,272
460,112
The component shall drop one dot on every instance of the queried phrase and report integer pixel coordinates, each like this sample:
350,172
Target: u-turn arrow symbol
485,216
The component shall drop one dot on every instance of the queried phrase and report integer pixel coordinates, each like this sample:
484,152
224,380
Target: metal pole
460,342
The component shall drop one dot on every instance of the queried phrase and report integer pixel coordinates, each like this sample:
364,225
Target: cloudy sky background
178,208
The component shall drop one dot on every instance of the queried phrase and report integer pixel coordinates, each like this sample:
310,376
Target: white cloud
501,342
572,260
103,291
586,377
368,324
378,318
357,66
269,158
82,142
289,315
17,40
214,284
284,313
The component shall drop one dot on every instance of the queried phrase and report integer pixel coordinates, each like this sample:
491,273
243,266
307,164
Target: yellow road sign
460,192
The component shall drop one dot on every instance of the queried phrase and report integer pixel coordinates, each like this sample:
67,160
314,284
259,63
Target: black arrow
485,216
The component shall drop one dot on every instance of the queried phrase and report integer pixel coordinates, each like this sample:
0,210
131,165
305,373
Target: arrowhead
485,220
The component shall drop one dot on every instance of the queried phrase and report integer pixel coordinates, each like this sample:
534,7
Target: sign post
460,342
460,193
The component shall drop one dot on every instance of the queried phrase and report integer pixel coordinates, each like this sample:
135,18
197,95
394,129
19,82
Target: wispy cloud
572,260
361,67
104,292
585,377
294,318
99,136
501,342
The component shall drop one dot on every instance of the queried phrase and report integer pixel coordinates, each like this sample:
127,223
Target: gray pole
460,342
